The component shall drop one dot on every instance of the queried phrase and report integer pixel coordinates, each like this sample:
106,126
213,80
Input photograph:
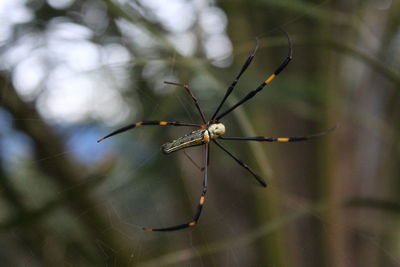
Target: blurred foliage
72,71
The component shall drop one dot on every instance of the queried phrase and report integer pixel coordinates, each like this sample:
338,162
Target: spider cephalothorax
216,130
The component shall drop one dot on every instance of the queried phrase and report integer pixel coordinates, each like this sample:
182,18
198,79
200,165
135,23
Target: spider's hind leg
199,209
259,179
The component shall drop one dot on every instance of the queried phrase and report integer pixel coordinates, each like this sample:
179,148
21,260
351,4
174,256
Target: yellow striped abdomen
194,138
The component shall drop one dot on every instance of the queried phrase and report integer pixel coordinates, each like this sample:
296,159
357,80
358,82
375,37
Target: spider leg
279,139
192,161
259,179
145,123
186,87
196,216
251,94
235,81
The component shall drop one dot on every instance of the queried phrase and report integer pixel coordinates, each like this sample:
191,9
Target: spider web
136,201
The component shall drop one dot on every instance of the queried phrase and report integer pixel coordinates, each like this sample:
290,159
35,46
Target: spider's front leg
147,123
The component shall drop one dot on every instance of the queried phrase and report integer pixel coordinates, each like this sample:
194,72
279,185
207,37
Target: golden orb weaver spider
213,129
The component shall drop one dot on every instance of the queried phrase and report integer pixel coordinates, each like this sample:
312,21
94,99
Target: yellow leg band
283,139
270,78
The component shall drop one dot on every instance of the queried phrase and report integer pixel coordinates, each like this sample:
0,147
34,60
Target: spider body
195,138
212,131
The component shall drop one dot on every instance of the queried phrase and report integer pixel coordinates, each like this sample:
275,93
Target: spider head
216,130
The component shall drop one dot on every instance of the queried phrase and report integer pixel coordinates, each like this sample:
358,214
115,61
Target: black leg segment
278,70
233,84
259,179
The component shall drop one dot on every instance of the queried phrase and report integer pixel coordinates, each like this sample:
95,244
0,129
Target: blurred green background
73,71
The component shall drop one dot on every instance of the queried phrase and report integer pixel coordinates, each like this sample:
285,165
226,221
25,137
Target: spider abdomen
195,138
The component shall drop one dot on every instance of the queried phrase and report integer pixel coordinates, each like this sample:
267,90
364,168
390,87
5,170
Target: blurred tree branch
26,217
374,203
377,65
66,174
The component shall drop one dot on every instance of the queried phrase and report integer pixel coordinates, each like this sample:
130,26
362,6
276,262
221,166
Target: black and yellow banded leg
259,179
236,80
186,87
251,94
279,139
199,209
145,123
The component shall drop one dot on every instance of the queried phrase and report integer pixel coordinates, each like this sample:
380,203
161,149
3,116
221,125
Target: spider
213,129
